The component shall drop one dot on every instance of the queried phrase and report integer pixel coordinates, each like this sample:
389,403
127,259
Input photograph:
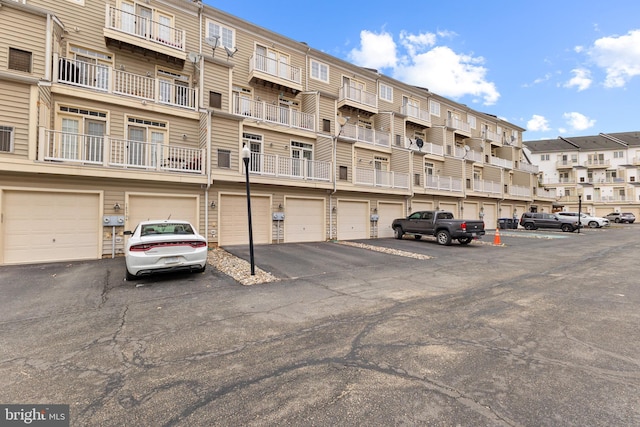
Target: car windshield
165,228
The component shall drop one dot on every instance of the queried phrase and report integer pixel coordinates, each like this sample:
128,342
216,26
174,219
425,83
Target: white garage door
451,207
353,220
51,226
387,212
471,211
304,220
490,216
143,207
421,206
234,223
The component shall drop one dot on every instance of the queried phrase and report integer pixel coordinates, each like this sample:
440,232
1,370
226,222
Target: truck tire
567,228
529,226
443,237
398,233
465,240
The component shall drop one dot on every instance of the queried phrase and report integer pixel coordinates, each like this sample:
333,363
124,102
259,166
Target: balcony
503,163
119,82
358,98
263,68
443,183
462,153
427,147
491,136
144,33
458,126
526,167
367,136
484,186
416,115
544,193
289,167
65,147
380,178
566,164
519,191
597,163
266,112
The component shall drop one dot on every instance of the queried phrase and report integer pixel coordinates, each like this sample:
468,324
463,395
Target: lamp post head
246,153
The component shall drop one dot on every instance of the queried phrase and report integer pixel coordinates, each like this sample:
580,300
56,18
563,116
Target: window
19,60
82,134
618,154
416,179
386,92
6,139
343,173
472,121
319,71
435,108
254,142
326,125
225,34
174,89
301,154
215,100
145,138
224,158
544,157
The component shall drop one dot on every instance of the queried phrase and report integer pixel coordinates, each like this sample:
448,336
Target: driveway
542,330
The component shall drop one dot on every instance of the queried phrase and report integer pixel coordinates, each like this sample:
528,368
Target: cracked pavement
534,332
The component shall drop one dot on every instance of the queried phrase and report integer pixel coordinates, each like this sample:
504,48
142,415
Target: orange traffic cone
496,238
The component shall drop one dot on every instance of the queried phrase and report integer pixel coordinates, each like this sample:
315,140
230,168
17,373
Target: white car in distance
587,220
162,246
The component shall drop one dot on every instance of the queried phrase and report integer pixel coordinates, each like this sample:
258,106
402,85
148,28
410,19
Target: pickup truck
440,224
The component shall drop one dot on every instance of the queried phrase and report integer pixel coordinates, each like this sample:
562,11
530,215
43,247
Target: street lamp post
579,212
246,157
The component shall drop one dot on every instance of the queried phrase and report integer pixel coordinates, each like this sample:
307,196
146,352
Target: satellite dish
212,41
193,57
419,142
230,52
467,148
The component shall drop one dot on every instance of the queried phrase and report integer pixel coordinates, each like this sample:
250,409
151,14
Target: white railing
358,95
368,136
486,186
289,167
597,162
111,152
260,110
427,147
458,124
275,68
415,112
543,192
446,183
380,178
490,135
616,198
526,167
504,163
520,191
106,79
145,28
566,163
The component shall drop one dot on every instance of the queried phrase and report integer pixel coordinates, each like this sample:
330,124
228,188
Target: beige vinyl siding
344,156
28,36
452,167
323,149
216,79
400,161
14,98
225,135
492,174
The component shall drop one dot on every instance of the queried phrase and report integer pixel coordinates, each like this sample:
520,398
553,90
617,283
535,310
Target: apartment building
118,111
600,171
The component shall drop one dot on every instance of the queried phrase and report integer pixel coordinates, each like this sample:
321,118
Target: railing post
106,150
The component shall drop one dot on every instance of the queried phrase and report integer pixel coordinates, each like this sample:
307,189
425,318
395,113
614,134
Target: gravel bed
238,268
386,250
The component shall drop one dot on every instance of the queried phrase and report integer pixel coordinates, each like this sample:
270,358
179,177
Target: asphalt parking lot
540,330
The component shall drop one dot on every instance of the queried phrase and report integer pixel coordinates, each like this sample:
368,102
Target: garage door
353,220
490,215
143,207
451,207
421,206
471,211
51,226
387,212
234,225
304,220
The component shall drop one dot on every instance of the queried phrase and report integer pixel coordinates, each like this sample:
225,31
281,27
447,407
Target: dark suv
533,220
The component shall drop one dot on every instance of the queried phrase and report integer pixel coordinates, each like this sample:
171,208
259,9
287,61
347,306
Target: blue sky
554,67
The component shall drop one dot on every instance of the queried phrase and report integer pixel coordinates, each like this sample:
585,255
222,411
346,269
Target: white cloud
425,64
581,79
538,123
578,121
619,57
376,51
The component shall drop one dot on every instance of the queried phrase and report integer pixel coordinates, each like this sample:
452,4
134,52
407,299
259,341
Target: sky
553,67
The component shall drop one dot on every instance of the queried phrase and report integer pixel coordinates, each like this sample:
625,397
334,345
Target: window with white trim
255,143
6,139
386,92
434,107
472,121
618,154
544,157
319,71
82,134
145,141
226,35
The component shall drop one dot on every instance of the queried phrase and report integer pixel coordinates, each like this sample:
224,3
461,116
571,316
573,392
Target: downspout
48,49
206,190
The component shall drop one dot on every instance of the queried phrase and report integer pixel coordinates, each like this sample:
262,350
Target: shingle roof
609,141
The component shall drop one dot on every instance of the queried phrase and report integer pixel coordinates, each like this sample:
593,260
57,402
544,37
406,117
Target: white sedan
164,245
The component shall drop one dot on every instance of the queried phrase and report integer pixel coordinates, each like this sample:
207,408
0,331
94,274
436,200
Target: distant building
113,112
601,170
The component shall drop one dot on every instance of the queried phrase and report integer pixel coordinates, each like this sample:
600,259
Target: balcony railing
597,163
462,153
145,28
457,124
520,191
543,192
616,198
526,167
415,112
490,136
275,68
105,151
380,178
444,183
119,82
564,164
289,167
263,111
368,136
503,163
427,147
358,96
485,186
